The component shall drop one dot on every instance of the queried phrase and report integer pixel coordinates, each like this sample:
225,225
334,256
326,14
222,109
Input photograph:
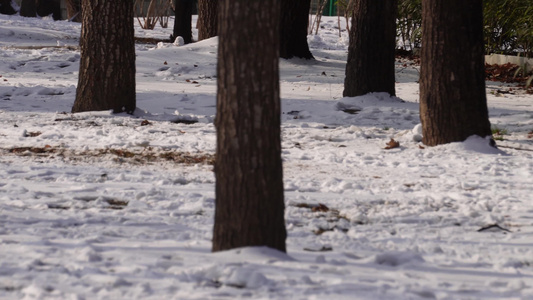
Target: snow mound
417,133
475,143
205,44
370,99
245,278
179,41
254,254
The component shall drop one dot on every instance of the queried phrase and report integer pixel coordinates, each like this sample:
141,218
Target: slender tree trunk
107,64
183,20
249,184
6,8
293,29
453,103
73,11
28,8
207,19
370,66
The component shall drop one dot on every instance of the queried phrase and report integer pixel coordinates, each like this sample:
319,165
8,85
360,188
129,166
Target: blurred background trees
507,26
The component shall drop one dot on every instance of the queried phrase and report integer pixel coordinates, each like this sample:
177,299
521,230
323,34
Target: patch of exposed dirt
148,40
145,156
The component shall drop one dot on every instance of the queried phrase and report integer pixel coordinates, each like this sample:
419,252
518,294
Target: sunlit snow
101,206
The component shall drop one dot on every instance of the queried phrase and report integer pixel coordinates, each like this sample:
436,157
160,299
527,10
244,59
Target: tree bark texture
107,64
293,29
249,184
73,11
453,103
183,20
207,19
6,8
28,8
370,66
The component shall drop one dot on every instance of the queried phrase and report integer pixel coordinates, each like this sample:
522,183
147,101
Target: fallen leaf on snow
392,144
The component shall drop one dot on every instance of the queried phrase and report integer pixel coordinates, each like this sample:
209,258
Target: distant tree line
506,25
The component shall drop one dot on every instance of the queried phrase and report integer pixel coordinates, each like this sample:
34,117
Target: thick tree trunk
107,64
73,11
293,29
249,184
453,103
6,8
182,21
28,8
370,66
207,19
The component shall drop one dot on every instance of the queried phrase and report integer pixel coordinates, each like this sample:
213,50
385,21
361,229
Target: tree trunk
6,8
453,103
107,64
28,8
207,19
293,29
49,7
73,11
249,184
370,66
183,20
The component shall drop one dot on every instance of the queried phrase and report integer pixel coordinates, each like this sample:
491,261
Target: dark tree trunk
28,8
183,20
249,184
453,103
6,8
73,11
107,64
49,7
370,66
207,19
293,29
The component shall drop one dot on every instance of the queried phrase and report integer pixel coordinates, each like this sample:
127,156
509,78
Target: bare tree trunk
370,66
207,19
6,8
73,11
453,103
293,29
182,21
49,7
249,184
107,64
28,8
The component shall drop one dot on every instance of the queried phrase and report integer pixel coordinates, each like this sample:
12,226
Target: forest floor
101,206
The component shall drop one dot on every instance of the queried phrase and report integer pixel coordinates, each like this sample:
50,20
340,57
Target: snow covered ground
102,206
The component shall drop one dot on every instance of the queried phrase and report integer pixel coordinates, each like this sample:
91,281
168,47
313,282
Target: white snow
94,205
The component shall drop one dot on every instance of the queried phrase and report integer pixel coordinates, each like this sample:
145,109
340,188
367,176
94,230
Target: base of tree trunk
293,29
107,70
453,101
371,53
6,8
182,21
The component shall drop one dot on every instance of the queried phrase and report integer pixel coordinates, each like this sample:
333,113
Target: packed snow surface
101,206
